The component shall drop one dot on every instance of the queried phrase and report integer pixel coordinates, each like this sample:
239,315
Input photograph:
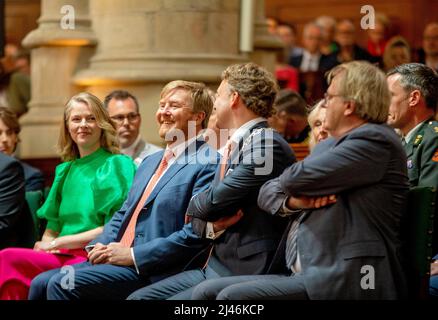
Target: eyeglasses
328,97
131,117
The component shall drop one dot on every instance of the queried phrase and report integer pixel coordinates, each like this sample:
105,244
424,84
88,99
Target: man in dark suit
12,201
253,155
147,240
346,244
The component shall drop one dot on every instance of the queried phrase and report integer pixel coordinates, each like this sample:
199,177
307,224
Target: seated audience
88,188
345,202
253,154
147,239
9,130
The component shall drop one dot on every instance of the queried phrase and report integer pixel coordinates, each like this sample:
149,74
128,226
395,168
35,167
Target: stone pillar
145,44
266,45
57,52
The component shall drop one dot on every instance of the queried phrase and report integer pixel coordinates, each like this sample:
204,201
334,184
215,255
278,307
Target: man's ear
235,97
199,117
414,98
350,108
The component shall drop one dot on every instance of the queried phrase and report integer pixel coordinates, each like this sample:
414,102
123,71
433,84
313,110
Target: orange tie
129,234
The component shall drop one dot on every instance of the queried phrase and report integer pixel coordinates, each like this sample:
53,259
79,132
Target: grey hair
417,76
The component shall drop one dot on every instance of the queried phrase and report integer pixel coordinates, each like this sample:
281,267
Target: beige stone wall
136,45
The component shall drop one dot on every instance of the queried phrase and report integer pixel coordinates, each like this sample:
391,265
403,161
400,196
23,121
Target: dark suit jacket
248,246
163,244
366,170
323,65
33,177
12,201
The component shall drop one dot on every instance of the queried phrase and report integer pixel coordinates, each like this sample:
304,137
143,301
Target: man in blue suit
253,154
147,240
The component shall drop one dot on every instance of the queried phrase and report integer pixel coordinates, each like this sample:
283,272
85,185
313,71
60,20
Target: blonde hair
311,118
366,85
201,99
256,86
67,148
394,42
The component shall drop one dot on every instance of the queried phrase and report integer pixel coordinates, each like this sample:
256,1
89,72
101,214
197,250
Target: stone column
59,46
266,45
145,44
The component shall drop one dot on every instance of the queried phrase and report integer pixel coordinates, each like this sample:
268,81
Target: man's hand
96,255
225,222
304,202
114,253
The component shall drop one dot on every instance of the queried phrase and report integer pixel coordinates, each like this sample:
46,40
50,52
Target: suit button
139,235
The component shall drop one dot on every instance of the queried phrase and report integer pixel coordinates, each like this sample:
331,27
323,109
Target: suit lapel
236,155
183,160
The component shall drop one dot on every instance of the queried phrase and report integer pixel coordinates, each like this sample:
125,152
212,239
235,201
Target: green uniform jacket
422,153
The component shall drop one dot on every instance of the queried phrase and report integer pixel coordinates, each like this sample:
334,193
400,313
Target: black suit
248,246
12,201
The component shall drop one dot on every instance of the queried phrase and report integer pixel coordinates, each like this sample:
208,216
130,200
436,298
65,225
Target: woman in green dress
88,188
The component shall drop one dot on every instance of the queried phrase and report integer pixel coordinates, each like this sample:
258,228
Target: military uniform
422,154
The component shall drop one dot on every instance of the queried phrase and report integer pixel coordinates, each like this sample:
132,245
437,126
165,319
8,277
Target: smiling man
123,109
147,240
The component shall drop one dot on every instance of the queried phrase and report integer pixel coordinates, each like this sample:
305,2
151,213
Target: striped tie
129,234
291,242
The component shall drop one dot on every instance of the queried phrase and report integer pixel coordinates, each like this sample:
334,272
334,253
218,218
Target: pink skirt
18,266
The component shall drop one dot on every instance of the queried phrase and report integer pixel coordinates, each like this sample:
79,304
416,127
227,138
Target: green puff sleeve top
87,191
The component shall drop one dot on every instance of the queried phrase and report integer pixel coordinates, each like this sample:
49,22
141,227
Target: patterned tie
291,242
129,234
225,158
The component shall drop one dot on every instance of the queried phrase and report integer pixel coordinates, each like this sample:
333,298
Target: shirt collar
411,133
180,148
244,129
